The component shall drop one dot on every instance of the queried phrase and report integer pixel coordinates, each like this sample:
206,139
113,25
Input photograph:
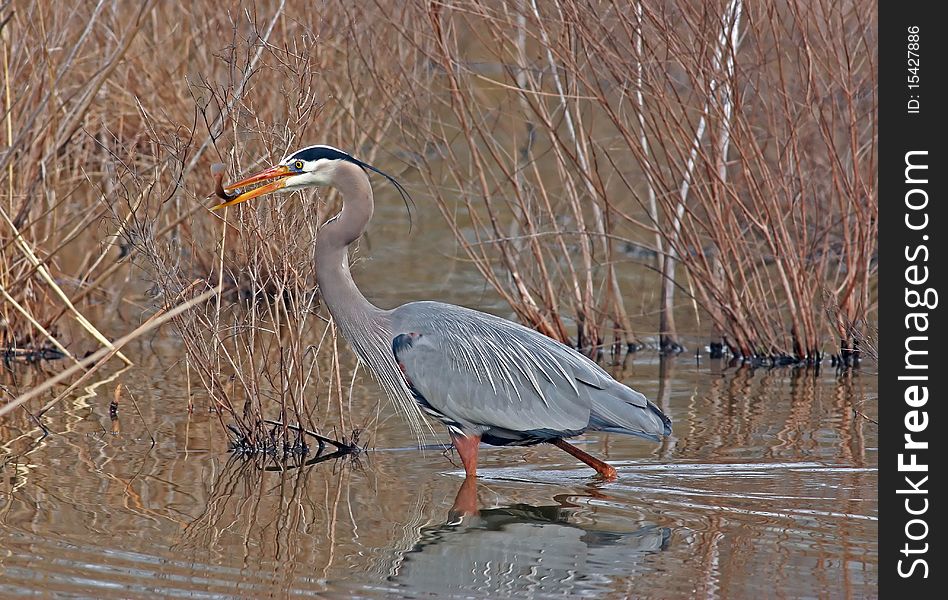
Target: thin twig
97,359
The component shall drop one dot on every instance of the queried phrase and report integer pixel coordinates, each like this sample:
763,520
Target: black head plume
329,153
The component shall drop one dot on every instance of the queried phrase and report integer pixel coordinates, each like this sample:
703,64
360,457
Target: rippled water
766,489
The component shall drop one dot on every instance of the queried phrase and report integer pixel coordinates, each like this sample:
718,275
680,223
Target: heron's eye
298,165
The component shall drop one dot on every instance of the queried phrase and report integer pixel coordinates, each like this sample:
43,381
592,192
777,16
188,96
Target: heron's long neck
366,327
345,302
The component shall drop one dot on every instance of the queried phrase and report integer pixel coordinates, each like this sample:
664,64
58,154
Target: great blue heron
486,378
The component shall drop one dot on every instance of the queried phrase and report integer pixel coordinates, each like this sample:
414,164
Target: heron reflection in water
487,379
526,550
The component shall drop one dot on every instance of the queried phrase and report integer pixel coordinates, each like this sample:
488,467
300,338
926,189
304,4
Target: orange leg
467,449
605,469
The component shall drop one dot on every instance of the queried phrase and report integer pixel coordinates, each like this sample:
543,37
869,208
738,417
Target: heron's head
311,166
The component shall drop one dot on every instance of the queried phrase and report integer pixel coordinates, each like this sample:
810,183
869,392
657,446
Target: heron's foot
604,469
608,472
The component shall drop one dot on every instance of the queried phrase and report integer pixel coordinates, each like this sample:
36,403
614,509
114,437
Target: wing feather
485,372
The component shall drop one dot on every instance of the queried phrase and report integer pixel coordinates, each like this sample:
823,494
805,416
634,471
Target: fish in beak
275,175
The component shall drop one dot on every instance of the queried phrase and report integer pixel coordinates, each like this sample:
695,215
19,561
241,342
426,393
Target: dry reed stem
29,317
48,278
549,135
98,359
106,130
741,138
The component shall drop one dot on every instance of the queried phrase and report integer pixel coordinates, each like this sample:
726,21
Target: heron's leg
605,469
467,449
465,503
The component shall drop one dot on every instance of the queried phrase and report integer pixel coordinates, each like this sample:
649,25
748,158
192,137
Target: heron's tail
619,409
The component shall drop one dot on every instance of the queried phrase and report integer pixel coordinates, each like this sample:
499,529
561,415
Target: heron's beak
277,174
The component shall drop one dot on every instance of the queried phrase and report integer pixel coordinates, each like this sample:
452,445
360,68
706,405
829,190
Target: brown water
766,489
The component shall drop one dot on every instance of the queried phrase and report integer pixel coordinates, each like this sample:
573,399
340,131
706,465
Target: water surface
766,489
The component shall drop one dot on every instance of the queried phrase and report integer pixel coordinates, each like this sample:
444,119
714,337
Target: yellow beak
278,173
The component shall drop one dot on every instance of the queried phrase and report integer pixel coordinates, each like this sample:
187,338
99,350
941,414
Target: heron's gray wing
484,371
